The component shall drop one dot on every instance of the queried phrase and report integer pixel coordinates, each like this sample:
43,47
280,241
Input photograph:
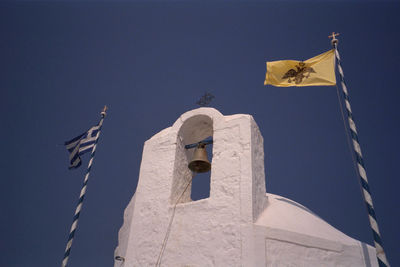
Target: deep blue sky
150,62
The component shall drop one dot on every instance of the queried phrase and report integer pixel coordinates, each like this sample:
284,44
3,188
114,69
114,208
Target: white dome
286,214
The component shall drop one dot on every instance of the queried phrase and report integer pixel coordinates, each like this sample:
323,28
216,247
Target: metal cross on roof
205,100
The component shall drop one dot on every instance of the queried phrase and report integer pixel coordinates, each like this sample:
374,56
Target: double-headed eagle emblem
298,75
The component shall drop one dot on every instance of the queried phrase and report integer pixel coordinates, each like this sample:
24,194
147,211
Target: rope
347,132
81,198
164,244
380,253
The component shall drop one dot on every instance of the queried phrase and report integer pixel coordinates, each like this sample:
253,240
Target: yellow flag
319,70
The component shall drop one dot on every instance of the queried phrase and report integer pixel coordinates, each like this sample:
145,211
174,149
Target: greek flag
80,145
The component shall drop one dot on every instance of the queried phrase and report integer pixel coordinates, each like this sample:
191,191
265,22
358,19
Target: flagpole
82,194
380,253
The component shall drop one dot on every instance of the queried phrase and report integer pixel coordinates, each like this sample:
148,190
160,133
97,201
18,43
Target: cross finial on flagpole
333,36
103,112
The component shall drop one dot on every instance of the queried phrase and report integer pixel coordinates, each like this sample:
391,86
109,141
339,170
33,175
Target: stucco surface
239,224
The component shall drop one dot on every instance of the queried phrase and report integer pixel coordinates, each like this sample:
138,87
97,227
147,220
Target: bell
200,161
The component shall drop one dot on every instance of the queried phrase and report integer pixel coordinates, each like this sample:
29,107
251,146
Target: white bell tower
238,224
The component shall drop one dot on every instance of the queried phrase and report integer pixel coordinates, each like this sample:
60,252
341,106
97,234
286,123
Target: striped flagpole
380,253
82,195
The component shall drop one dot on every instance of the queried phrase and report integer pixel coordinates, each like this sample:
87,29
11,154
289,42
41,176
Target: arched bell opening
188,185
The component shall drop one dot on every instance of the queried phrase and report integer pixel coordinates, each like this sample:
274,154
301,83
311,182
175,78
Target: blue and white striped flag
80,145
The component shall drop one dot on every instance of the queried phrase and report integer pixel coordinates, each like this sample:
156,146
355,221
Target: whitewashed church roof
286,214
